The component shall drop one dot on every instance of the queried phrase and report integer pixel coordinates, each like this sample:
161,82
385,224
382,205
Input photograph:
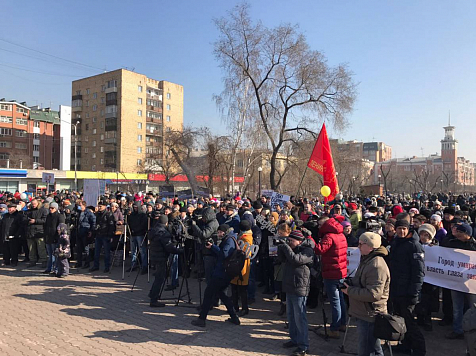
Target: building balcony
77,108
110,140
154,120
154,108
36,141
110,165
110,115
111,102
154,144
111,90
77,97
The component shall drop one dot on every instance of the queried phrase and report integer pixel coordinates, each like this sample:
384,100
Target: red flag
321,162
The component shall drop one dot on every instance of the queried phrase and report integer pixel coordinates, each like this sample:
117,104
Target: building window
36,136
77,103
87,91
102,149
94,143
5,107
139,125
20,146
111,109
4,155
20,133
86,150
103,100
95,95
140,88
103,88
112,84
94,131
102,112
102,138
87,127
78,92
6,119
36,124
168,95
94,155
139,100
94,119
139,138
4,144
139,149
86,138
36,159
36,147
87,102
102,124
168,118
102,161
168,107
87,115
139,112
95,107
139,162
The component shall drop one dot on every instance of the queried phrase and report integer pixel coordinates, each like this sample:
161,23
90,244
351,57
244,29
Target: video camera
279,241
371,224
348,281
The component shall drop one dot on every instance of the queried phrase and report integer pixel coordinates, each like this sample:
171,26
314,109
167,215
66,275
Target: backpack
389,327
234,264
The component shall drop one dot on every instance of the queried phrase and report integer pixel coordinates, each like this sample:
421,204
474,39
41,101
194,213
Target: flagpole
300,183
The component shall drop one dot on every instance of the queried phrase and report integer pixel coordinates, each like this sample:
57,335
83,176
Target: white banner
451,268
91,191
444,267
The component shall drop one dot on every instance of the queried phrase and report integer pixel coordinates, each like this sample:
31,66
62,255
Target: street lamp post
260,169
441,185
76,156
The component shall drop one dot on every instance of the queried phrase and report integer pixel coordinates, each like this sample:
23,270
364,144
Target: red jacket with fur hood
333,248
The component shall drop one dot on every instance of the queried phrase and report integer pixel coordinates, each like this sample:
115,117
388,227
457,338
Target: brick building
121,118
29,137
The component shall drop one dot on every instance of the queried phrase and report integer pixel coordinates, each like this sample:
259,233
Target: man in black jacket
9,235
53,219
407,269
462,240
35,219
138,222
161,246
297,255
105,228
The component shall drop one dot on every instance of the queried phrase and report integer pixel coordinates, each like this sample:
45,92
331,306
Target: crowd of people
295,250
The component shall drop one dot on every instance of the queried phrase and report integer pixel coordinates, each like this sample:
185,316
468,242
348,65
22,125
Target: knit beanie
371,239
430,229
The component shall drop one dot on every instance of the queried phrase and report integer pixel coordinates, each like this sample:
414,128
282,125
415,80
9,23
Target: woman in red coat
333,249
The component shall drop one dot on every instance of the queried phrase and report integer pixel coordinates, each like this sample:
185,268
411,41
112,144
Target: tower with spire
449,148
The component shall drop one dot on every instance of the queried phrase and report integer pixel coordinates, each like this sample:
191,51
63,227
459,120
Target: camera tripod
123,239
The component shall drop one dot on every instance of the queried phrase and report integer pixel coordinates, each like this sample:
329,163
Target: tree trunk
187,170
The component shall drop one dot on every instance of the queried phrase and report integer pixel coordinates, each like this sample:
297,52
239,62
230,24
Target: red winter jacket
333,248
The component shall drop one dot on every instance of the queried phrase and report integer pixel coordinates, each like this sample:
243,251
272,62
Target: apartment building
120,119
29,137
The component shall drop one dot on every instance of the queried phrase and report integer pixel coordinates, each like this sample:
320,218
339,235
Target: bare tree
286,77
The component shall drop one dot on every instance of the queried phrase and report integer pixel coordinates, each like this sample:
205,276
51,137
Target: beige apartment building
121,118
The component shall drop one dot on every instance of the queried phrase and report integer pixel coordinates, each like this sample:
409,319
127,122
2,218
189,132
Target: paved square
97,314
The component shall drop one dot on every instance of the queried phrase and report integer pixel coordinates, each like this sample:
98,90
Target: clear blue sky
414,60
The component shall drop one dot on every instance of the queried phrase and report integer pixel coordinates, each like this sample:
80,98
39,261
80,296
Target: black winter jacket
296,274
105,223
137,222
10,225
36,230
407,268
469,245
161,245
208,229
51,225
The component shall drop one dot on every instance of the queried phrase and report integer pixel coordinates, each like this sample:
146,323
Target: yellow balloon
325,191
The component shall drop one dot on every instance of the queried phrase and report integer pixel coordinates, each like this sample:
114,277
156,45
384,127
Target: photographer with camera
138,224
297,256
105,228
368,291
86,224
205,230
161,246
219,279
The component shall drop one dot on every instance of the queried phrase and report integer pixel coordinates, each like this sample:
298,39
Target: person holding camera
161,246
219,279
297,255
105,228
368,291
86,225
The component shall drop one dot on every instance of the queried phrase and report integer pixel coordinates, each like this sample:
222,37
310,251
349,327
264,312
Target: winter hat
465,228
257,205
230,207
297,235
403,223
414,211
54,205
163,219
436,217
391,221
345,223
3,206
245,225
430,229
353,206
183,209
449,210
224,227
371,239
